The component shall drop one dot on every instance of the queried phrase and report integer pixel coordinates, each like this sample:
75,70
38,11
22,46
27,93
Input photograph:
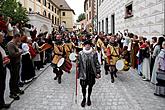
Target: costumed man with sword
88,70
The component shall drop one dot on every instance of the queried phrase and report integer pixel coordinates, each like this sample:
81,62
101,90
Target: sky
77,6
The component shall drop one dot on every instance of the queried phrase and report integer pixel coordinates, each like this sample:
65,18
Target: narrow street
129,92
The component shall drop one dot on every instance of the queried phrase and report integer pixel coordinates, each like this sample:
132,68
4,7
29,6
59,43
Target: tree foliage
13,9
81,17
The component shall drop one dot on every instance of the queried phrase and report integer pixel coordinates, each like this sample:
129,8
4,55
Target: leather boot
83,102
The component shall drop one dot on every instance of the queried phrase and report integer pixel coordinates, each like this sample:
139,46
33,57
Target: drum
64,65
72,57
122,64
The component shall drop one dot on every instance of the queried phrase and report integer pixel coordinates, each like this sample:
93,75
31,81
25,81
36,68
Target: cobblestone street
128,92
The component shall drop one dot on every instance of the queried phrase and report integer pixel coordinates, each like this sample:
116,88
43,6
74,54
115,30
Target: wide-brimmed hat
88,41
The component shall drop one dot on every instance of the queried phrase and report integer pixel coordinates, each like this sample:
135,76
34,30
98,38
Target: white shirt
3,52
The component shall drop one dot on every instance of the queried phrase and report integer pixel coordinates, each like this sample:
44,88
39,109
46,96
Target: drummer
114,52
58,54
68,46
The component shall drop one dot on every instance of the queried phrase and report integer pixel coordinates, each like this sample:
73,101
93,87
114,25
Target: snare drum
122,64
64,65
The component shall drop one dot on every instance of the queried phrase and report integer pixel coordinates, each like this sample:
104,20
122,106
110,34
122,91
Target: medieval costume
58,54
99,46
104,50
88,70
160,86
68,46
113,52
145,52
27,68
134,51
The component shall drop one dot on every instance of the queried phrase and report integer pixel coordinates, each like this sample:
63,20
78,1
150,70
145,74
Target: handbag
160,75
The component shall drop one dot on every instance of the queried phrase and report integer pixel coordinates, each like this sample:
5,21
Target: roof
63,5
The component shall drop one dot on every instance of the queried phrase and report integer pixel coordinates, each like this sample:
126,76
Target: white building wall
148,16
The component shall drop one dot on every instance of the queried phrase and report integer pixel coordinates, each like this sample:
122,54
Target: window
52,19
89,3
52,8
49,15
55,10
30,10
49,5
89,15
63,13
106,25
55,20
44,13
99,26
39,0
102,25
87,7
99,2
128,10
44,2
58,22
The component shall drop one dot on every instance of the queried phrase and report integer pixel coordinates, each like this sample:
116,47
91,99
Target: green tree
13,9
81,17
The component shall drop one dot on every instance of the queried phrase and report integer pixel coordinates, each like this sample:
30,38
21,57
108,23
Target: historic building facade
49,14
142,17
90,13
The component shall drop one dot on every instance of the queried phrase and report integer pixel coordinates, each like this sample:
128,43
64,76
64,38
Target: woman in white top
27,69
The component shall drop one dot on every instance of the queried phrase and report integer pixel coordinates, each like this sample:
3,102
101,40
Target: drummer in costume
113,52
106,42
68,46
88,70
58,54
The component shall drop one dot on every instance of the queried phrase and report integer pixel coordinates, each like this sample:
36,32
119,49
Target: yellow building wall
68,18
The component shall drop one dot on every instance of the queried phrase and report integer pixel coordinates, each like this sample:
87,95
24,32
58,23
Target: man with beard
58,54
113,51
88,70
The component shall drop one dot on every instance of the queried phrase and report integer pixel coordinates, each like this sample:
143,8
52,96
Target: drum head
120,65
60,62
72,56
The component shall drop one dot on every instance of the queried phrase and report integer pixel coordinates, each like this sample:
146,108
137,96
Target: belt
115,55
57,54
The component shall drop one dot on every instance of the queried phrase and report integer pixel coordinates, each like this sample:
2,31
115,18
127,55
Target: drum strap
69,48
116,51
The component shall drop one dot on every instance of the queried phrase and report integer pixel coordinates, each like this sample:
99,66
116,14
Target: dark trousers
106,67
58,72
14,78
2,86
37,64
84,86
152,65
